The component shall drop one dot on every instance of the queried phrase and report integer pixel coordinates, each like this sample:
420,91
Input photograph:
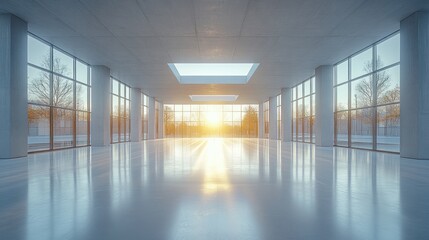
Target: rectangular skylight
213,98
213,73
213,69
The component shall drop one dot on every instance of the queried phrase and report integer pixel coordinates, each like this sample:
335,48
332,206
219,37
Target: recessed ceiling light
213,73
213,98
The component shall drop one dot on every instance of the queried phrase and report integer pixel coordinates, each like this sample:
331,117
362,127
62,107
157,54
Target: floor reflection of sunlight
217,210
213,167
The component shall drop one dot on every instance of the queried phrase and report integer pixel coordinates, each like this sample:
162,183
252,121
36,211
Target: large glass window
63,128
303,111
211,120
367,97
58,98
120,113
38,128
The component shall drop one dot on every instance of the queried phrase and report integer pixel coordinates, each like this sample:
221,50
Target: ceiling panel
147,49
75,15
181,49
253,49
216,18
170,17
218,49
267,18
122,18
113,49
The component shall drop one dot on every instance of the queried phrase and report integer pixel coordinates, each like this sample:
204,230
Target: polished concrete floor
214,189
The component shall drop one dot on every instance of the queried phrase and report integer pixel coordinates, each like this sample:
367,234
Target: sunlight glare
213,118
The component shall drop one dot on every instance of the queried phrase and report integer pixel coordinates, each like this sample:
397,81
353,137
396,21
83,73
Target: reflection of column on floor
410,190
324,195
273,160
136,164
286,162
101,174
262,150
151,163
160,161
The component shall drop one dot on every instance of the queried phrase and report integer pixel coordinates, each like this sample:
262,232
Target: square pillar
287,114
136,115
13,87
415,86
324,122
273,118
161,121
151,119
261,121
101,106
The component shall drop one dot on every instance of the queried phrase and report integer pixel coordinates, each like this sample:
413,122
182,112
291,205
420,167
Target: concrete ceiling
137,38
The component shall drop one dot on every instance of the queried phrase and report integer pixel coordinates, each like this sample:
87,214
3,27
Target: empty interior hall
214,119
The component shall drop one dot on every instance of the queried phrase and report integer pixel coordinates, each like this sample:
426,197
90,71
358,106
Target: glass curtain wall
211,120
279,117
303,111
266,111
59,93
120,114
145,115
367,97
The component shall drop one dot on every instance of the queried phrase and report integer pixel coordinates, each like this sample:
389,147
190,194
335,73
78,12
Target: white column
101,105
287,114
324,122
161,121
151,119
261,121
273,118
415,86
13,87
136,115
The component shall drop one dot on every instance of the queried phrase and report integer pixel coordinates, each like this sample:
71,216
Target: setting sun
213,118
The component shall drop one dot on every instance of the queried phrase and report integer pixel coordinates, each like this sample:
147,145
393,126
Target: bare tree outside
169,121
378,87
392,113
62,89
249,123
375,85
